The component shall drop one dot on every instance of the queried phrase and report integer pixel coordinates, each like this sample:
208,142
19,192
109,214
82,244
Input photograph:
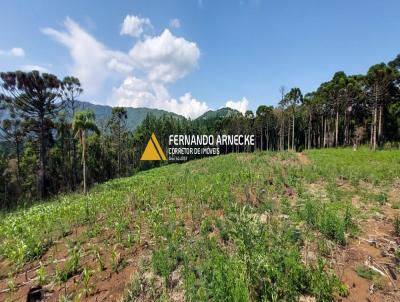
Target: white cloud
240,105
120,66
135,92
92,61
165,58
189,106
175,23
147,69
13,52
134,26
17,52
34,67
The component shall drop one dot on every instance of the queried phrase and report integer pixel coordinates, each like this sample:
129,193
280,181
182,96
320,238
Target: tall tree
293,98
281,118
70,92
36,97
263,118
379,81
82,122
117,123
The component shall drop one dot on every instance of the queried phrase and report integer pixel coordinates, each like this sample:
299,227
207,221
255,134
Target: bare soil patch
106,285
375,249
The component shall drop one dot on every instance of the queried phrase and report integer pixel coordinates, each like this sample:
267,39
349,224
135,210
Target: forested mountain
58,144
220,113
135,116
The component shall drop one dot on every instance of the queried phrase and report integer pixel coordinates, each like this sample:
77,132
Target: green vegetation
365,272
238,227
39,146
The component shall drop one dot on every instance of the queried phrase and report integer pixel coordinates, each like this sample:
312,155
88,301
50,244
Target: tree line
49,147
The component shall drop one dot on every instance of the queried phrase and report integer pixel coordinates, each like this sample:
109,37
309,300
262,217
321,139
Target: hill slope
135,115
211,229
223,112
103,113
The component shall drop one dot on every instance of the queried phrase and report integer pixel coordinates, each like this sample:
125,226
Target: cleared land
321,225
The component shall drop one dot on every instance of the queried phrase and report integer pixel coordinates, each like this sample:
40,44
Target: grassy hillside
240,227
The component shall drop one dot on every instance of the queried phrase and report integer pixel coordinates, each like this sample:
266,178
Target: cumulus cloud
240,105
13,52
175,23
165,58
134,26
135,92
34,67
92,61
145,71
189,106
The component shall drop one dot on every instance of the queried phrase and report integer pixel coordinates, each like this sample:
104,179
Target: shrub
365,272
332,226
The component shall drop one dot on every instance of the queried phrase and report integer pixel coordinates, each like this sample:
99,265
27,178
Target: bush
332,226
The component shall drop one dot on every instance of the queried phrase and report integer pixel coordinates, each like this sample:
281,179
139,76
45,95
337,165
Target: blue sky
214,53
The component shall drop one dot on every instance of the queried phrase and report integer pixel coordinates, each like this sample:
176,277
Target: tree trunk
293,147
320,132
74,160
84,161
309,132
374,129
17,151
281,141
374,119
63,155
337,129
288,139
380,126
346,128
324,130
41,171
74,153
119,150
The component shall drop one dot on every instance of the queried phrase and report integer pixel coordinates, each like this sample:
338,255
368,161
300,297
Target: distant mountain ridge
222,112
135,115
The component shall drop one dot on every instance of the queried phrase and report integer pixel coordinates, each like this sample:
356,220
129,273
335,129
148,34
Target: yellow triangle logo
153,150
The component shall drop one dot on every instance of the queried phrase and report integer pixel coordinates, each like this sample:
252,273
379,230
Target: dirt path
303,159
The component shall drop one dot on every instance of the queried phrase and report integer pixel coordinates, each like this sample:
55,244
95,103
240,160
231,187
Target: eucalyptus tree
309,103
293,98
35,96
263,121
117,124
281,118
249,123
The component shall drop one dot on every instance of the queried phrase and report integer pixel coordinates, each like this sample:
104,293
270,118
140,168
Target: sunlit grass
234,226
